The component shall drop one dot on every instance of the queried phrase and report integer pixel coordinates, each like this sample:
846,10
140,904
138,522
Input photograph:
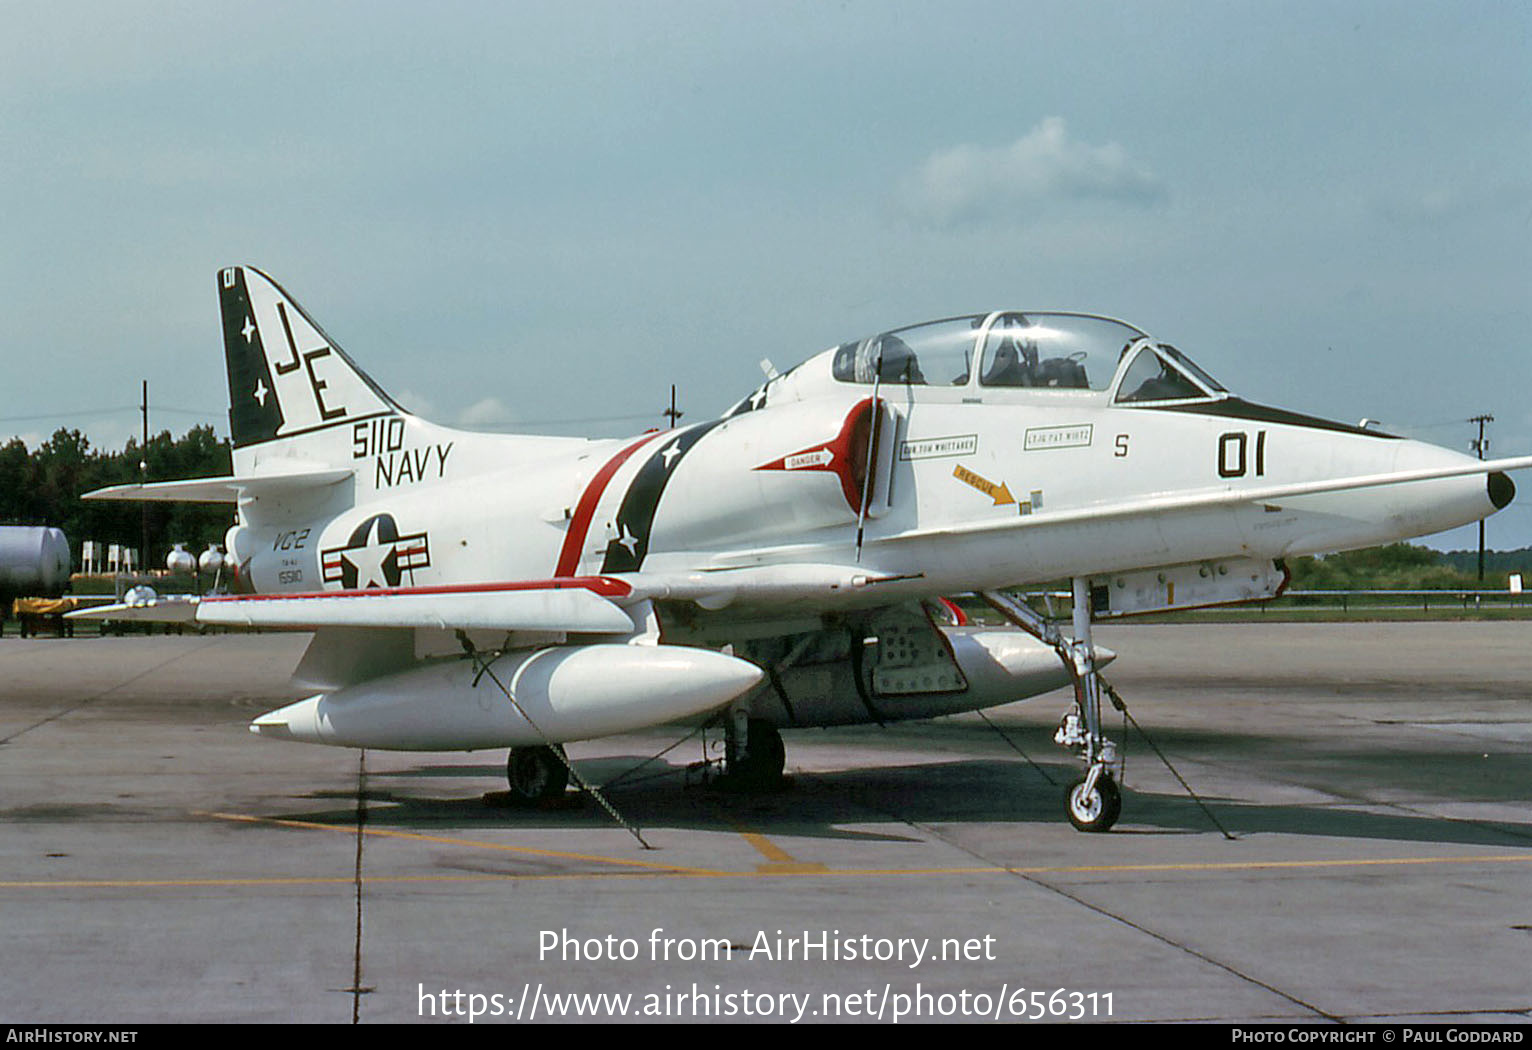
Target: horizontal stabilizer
574,606
226,489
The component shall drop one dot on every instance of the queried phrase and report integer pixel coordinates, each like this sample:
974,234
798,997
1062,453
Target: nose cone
1501,490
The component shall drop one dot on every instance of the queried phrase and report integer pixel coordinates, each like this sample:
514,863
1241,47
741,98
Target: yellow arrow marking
999,493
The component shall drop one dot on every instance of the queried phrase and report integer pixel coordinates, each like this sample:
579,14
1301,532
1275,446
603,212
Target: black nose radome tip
1501,490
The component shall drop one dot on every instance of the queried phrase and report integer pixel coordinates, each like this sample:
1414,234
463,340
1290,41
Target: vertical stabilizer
286,377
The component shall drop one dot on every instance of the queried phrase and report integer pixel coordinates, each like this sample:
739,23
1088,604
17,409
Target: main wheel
1096,810
765,758
535,774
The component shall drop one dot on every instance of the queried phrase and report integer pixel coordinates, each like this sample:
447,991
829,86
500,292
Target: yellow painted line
778,860
774,869
475,843
1258,865
317,880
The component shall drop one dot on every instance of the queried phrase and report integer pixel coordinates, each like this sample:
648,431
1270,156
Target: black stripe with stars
255,415
635,518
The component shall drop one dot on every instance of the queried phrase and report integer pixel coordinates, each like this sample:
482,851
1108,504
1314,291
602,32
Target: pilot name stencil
1042,439
939,448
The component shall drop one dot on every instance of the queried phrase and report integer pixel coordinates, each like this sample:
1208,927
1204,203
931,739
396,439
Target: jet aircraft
784,564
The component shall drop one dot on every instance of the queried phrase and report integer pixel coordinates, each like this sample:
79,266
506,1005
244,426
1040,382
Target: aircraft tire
535,774
1096,811
768,753
765,758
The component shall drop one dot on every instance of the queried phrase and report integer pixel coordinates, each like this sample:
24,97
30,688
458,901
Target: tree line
43,486
1406,567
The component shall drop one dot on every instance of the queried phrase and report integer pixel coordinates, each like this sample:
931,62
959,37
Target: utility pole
672,413
143,479
1481,447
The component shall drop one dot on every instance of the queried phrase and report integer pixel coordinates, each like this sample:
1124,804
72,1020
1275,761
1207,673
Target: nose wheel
1093,806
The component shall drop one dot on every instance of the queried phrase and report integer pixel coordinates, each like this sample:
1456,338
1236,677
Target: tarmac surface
160,863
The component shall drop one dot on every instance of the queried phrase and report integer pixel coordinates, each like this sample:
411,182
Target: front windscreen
1054,351
1163,373
1189,366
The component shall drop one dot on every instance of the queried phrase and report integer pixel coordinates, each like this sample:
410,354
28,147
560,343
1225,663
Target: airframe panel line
442,840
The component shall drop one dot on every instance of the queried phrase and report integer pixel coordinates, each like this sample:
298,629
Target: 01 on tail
784,564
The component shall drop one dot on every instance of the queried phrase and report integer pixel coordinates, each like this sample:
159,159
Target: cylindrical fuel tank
34,559
567,692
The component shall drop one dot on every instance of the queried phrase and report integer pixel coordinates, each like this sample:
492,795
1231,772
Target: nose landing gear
1093,802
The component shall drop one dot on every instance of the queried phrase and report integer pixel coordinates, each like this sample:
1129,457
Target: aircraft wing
584,605
172,608
576,604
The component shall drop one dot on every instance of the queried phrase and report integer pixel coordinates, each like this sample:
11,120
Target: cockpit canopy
1055,354
1033,350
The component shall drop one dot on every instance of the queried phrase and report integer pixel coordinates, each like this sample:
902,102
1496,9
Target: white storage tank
34,560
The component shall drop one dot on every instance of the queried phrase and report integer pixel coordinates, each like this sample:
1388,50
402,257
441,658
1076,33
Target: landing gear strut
1093,802
535,774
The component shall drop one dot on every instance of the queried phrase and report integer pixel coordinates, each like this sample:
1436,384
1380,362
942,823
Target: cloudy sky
542,215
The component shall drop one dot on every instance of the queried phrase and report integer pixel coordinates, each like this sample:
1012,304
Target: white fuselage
754,490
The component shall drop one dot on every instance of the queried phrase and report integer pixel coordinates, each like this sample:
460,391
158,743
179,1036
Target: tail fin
286,377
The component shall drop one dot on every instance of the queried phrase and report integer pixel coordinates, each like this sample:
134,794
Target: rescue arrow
999,493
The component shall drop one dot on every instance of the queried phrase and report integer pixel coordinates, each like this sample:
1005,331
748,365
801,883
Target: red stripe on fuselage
579,525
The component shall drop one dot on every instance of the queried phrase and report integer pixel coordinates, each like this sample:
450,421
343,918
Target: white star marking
261,391
670,454
627,539
249,330
368,560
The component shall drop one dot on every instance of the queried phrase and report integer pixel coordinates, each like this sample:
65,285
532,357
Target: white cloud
1043,167
489,411
1447,203
417,403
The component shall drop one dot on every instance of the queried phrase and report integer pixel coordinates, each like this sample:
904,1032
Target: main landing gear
1094,801
754,753
536,774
